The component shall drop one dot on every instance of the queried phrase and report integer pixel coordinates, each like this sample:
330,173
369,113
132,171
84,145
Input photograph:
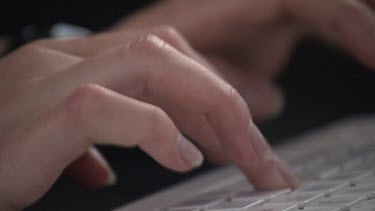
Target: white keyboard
336,166
331,181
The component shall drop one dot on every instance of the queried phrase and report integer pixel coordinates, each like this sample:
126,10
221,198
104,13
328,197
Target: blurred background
321,83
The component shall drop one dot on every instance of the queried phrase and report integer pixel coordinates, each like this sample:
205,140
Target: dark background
321,83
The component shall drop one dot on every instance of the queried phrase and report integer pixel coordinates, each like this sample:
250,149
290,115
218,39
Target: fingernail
112,179
260,145
287,173
111,176
189,152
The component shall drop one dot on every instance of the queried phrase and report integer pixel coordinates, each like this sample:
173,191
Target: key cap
259,208
313,209
319,170
353,177
368,205
295,198
352,163
323,186
359,190
231,205
203,201
367,165
266,195
337,201
239,186
367,181
179,209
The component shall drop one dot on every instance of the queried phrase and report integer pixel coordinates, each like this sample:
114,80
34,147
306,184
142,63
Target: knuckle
146,45
30,50
160,125
85,100
40,42
149,50
233,101
168,34
157,118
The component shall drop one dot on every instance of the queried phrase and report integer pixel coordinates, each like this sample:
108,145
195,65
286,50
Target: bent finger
91,114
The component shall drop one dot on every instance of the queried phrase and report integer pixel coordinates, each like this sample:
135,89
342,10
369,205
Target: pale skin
144,86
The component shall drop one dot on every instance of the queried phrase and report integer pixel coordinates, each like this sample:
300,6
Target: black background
321,84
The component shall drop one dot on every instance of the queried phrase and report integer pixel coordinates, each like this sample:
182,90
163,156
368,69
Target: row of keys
311,191
337,182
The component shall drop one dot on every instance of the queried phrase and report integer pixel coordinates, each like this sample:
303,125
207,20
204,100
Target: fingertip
272,173
91,170
189,152
287,173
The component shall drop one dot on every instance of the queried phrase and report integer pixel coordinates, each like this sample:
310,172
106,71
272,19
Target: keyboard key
319,170
266,195
367,165
367,181
258,208
353,177
231,205
364,206
204,201
295,198
359,189
323,186
312,209
352,163
370,156
239,186
179,209
337,201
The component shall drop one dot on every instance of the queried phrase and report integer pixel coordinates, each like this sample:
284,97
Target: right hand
128,89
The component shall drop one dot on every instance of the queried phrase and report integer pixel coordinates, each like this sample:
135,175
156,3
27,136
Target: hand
249,41
140,91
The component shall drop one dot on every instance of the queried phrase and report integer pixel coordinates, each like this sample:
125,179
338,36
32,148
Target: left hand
249,41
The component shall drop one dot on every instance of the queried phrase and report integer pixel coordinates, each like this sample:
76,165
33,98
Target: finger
271,168
178,80
259,174
91,170
170,75
265,100
195,125
90,46
351,23
216,157
91,114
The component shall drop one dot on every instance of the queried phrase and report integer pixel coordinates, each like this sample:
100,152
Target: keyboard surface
336,167
343,180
